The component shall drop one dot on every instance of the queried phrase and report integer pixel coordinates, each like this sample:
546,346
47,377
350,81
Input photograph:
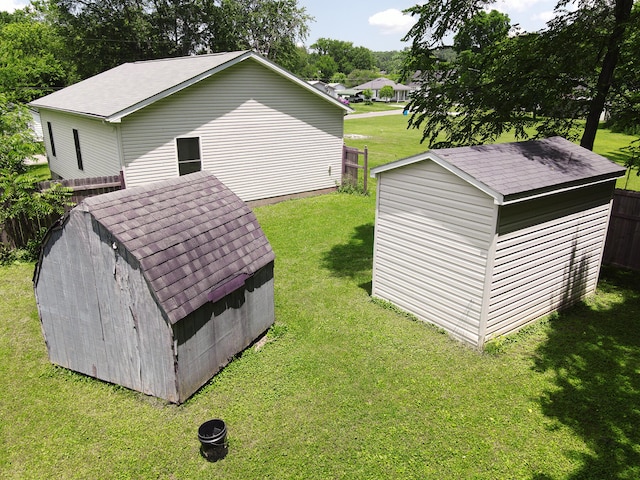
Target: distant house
262,131
155,288
483,240
401,92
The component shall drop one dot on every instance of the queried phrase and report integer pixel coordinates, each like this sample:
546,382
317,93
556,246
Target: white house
261,130
400,92
483,240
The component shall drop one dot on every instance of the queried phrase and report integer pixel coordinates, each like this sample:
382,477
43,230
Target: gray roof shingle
191,236
117,92
519,168
119,88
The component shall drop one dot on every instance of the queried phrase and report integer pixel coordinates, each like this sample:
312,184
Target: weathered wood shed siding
211,336
98,144
101,319
261,135
434,234
155,288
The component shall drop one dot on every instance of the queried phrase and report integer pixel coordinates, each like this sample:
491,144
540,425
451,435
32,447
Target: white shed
261,130
482,240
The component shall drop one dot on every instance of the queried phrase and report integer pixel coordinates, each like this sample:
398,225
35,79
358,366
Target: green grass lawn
388,139
363,107
345,388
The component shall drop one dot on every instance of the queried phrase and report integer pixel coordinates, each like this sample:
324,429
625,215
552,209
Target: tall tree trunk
622,12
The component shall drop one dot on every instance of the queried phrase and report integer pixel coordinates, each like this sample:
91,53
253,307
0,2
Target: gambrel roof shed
482,240
169,273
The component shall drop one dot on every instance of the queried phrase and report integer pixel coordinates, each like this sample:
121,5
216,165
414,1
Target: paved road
374,114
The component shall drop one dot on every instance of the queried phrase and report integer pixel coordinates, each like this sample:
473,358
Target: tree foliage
101,34
31,56
499,83
17,140
386,92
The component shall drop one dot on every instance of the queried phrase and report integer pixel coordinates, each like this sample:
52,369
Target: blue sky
379,24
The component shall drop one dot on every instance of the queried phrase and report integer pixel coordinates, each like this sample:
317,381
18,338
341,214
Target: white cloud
392,22
11,5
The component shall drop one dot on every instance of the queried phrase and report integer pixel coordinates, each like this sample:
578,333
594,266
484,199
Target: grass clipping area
344,387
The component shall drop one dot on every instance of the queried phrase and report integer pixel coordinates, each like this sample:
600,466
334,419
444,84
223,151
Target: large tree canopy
546,81
31,55
101,34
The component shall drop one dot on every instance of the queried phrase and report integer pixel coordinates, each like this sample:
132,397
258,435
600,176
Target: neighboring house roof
118,92
378,83
513,171
195,240
336,86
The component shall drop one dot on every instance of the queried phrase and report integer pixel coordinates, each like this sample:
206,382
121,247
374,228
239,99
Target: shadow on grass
354,258
595,356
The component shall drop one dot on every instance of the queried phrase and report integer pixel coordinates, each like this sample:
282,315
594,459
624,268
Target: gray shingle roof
191,236
110,92
514,169
510,171
117,92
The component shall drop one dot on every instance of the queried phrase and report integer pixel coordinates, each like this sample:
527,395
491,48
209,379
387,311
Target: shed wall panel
98,144
212,335
545,267
433,234
101,320
261,135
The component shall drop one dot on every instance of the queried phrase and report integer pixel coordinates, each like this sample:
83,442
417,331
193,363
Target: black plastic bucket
213,439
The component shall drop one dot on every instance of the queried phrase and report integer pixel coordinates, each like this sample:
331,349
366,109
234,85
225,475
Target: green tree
346,56
386,92
17,140
358,77
30,58
339,77
272,28
367,93
493,84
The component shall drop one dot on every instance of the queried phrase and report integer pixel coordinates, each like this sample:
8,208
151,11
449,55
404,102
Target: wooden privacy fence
622,247
351,166
17,232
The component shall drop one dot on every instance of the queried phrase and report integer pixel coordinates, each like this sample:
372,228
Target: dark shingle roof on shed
522,169
191,236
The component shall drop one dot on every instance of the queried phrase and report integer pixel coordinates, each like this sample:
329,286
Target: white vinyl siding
260,134
433,234
544,267
98,142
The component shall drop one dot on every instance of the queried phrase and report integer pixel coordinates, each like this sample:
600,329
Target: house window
189,155
53,145
76,141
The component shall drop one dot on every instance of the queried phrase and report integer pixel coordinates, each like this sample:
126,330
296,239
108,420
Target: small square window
189,160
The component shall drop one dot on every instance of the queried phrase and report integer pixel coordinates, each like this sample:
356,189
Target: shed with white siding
155,288
261,130
482,240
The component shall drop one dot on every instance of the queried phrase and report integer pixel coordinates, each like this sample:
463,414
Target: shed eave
38,108
524,196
